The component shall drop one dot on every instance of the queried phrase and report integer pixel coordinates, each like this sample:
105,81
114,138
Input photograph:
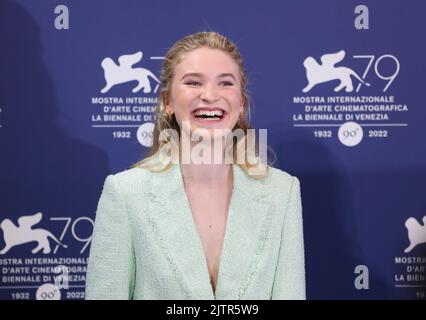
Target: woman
177,227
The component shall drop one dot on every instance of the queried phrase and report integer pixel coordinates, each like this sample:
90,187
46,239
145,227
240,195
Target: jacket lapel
179,241
249,220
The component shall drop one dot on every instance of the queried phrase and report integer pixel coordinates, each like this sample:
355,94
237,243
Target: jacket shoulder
129,180
281,178
281,184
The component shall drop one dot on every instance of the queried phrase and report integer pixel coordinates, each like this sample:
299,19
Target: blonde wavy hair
212,40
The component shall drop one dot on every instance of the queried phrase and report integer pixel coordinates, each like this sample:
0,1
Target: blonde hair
211,40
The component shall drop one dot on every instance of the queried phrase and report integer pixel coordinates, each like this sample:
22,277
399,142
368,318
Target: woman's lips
209,120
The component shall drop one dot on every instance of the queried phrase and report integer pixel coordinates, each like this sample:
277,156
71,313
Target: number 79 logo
372,60
73,226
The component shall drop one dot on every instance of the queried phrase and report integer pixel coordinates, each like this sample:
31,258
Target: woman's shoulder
131,173
129,179
283,183
278,177
278,185
276,182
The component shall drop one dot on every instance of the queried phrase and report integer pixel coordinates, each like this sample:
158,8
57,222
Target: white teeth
209,113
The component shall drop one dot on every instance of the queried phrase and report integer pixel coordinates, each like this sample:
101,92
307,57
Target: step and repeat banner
339,85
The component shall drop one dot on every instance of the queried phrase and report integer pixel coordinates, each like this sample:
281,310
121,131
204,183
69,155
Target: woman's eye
192,83
226,83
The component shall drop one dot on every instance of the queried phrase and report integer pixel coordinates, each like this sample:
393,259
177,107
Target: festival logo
410,269
23,233
124,72
327,71
416,233
55,270
347,98
129,97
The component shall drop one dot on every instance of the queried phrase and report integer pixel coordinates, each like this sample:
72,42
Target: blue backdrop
360,154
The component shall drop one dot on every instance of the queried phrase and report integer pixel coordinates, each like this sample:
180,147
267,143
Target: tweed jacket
145,243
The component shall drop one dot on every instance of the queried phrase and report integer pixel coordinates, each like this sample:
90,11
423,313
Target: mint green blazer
145,243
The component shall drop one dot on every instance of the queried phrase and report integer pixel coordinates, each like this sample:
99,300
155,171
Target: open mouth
215,114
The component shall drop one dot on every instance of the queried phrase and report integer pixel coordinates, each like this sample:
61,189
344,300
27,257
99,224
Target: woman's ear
167,105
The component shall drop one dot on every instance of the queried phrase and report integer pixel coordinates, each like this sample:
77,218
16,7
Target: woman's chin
207,127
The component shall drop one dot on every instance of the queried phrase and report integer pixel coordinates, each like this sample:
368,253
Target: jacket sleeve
111,266
289,281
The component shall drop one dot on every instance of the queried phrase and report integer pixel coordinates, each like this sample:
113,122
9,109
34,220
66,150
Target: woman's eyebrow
195,74
191,74
227,75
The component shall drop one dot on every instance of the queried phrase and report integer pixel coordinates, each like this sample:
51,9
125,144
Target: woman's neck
211,174
213,170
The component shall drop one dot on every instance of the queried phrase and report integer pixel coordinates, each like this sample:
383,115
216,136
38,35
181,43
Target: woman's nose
209,93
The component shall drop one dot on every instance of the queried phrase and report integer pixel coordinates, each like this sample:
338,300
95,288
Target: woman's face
206,90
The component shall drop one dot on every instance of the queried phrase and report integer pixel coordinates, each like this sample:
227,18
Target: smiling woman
207,98
193,230
202,74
